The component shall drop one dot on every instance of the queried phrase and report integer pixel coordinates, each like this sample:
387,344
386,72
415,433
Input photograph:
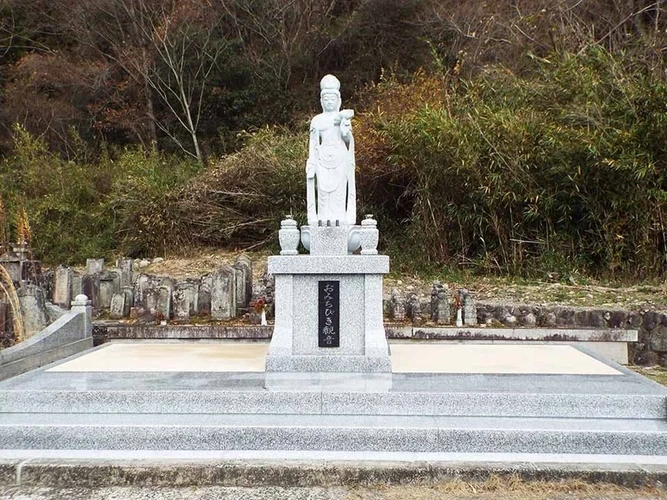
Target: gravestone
109,285
117,307
204,296
190,290
181,305
244,260
440,307
469,309
90,284
397,305
241,277
415,309
163,306
77,284
94,266
33,309
62,289
125,268
223,294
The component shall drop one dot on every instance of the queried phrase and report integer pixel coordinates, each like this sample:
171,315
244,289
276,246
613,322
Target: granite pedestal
359,345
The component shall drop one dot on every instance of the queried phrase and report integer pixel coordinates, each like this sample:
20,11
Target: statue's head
330,93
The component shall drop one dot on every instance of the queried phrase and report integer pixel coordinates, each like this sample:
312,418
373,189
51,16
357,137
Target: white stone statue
330,165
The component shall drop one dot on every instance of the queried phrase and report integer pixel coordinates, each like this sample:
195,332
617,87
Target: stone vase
288,236
369,236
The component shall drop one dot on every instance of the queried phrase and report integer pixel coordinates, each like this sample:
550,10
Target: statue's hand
310,169
345,127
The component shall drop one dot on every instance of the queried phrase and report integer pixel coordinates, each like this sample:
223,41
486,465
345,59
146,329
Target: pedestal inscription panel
328,303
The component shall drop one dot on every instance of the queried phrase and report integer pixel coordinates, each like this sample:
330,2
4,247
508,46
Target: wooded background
514,137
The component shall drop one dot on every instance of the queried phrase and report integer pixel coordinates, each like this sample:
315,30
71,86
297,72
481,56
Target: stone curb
292,473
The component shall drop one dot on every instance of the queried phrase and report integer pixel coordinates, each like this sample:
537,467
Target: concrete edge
295,473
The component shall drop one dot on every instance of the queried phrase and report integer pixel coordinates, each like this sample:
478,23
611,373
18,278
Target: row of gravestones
222,295
442,307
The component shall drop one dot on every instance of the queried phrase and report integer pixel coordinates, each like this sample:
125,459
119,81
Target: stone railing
68,335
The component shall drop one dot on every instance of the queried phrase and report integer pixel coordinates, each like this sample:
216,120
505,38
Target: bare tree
164,49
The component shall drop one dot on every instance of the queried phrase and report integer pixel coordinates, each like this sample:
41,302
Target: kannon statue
330,165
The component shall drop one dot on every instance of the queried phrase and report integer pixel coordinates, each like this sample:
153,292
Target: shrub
510,171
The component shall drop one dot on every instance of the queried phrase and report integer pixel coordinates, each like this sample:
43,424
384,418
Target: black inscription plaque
328,305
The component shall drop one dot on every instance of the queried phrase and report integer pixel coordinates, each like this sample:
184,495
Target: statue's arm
351,184
313,142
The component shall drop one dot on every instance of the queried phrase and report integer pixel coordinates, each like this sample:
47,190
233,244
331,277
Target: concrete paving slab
406,358
505,359
170,357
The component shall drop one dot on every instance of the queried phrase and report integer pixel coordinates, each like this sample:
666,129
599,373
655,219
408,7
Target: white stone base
363,344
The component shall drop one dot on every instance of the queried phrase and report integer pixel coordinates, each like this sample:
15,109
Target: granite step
332,433
480,404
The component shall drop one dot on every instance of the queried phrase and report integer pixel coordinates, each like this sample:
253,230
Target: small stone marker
328,301
63,287
117,307
223,295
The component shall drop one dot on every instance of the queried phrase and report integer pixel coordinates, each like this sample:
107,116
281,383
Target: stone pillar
62,288
223,295
125,268
82,305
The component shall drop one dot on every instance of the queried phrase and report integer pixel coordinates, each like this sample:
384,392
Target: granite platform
104,403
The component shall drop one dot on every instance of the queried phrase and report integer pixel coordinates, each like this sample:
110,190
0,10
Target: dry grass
656,373
501,488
